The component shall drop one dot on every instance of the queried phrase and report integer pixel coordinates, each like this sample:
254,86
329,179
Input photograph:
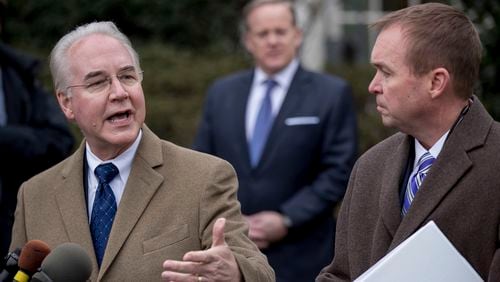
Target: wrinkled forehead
98,52
390,44
268,12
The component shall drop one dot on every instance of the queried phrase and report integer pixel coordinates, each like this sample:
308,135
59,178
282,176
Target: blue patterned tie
424,164
104,209
263,125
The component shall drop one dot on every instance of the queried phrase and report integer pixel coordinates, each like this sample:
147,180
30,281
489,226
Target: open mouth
119,116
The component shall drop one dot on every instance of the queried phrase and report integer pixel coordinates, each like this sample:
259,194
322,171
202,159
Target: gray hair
59,65
252,5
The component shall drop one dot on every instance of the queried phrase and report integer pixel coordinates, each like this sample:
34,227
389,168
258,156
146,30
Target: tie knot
106,172
425,161
270,83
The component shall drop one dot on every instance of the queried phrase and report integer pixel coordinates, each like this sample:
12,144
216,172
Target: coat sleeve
19,237
219,200
339,269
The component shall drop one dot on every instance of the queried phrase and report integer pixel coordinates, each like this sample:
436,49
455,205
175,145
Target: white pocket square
301,120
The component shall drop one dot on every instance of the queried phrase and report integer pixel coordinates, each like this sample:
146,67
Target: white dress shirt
258,89
434,150
124,164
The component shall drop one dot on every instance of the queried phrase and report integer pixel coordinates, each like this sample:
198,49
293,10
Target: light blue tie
263,125
424,165
104,209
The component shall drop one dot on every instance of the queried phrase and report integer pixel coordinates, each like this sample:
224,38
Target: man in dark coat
34,133
443,166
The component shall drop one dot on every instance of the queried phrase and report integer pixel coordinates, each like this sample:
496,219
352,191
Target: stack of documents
427,256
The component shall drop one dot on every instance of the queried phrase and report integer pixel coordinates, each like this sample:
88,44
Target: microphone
10,265
67,262
32,255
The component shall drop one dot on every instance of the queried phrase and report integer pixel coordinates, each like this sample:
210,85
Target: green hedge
202,47
175,82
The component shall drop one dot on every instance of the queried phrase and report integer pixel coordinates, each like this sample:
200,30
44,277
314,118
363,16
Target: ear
298,38
66,105
248,42
440,79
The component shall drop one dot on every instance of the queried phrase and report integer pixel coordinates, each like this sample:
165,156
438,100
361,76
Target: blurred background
185,44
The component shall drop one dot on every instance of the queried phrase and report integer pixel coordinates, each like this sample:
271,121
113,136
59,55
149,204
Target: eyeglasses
101,83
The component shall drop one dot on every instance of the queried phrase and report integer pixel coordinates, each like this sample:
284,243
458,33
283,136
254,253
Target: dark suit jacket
35,137
461,193
304,167
171,200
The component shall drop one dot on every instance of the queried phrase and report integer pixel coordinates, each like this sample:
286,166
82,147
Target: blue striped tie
263,125
424,164
104,209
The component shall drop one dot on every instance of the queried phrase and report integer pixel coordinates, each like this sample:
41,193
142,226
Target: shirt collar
123,161
283,77
434,150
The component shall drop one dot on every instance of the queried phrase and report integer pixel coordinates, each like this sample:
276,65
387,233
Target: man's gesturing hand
215,264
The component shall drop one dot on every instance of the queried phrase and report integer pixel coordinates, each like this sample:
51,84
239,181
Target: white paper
427,255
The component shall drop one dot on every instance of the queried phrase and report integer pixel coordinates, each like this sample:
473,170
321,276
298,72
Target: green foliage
486,17
195,24
186,44
370,128
175,82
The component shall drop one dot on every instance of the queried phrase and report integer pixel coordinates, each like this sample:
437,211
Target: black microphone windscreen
67,262
10,267
11,259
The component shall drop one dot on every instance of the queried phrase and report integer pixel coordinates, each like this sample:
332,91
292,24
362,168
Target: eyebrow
93,74
127,68
381,66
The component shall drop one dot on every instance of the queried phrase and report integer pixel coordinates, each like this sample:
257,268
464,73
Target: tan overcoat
171,200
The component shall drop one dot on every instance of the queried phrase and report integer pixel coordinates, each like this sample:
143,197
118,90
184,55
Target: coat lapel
452,163
140,188
441,178
292,101
239,106
389,203
71,202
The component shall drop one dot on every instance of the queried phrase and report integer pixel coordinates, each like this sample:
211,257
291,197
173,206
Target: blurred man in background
443,165
34,134
291,136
